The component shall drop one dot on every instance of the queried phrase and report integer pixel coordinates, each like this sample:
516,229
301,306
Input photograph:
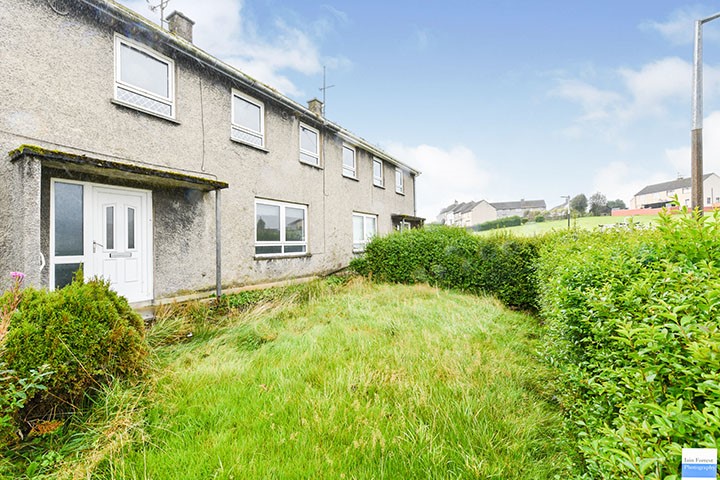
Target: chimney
180,25
315,106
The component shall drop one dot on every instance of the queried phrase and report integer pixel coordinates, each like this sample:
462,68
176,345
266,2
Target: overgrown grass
374,381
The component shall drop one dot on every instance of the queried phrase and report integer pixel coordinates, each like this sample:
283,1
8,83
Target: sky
498,100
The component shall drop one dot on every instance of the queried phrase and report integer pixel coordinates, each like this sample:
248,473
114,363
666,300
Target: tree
612,204
598,205
579,203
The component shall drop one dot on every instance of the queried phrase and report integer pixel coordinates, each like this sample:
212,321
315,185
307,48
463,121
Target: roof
671,185
134,21
520,205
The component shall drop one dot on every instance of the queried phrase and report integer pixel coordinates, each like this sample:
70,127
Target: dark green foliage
85,334
616,204
15,392
499,223
447,257
540,219
633,326
579,203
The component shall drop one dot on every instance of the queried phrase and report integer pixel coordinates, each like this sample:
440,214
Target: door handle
96,244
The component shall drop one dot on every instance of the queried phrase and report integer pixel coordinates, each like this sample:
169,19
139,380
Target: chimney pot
180,25
315,106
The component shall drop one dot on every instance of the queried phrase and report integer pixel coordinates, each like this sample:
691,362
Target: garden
575,354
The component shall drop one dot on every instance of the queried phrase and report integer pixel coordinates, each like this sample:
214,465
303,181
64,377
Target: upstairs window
144,79
364,229
309,145
349,169
399,181
378,179
248,120
280,228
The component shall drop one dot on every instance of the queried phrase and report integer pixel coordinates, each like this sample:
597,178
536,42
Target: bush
632,326
448,257
499,223
14,395
85,333
539,219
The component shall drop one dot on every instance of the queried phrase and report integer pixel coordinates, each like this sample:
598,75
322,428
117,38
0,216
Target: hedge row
633,327
453,258
499,223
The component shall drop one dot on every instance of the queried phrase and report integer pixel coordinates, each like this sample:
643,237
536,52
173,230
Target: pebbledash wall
63,120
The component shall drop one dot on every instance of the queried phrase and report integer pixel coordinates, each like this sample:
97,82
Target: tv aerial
159,6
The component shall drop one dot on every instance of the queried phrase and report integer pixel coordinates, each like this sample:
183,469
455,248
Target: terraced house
137,156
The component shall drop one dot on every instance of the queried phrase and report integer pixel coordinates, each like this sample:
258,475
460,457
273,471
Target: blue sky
496,100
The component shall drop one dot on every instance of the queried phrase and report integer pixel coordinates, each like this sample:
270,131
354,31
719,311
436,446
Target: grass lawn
360,381
587,223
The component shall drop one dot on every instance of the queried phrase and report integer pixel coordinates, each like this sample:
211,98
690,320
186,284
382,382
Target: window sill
280,256
130,106
400,193
262,149
351,178
379,186
319,167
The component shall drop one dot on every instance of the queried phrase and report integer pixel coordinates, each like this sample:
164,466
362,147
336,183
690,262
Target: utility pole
696,150
567,199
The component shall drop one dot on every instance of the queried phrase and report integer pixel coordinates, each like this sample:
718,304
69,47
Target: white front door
106,231
120,240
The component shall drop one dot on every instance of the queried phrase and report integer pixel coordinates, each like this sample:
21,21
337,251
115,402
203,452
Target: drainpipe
218,248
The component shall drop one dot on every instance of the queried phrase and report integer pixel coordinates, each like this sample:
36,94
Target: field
357,381
587,223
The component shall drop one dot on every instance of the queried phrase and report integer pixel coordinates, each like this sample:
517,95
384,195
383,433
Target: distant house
467,214
661,194
520,208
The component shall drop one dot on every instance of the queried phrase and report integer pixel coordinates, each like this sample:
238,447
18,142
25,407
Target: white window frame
378,181
366,239
236,126
346,171
283,242
169,100
399,181
316,154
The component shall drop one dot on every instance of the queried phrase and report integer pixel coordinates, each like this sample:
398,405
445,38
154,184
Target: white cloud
596,103
268,52
655,84
654,91
618,180
679,28
679,158
447,175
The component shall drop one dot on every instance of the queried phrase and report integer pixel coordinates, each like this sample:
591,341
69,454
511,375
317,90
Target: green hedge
449,257
632,320
84,334
500,223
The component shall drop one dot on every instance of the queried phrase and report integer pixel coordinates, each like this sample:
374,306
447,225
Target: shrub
499,223
86,335
632,326
539,219
453,258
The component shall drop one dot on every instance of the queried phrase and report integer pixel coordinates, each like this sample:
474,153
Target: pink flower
19,276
